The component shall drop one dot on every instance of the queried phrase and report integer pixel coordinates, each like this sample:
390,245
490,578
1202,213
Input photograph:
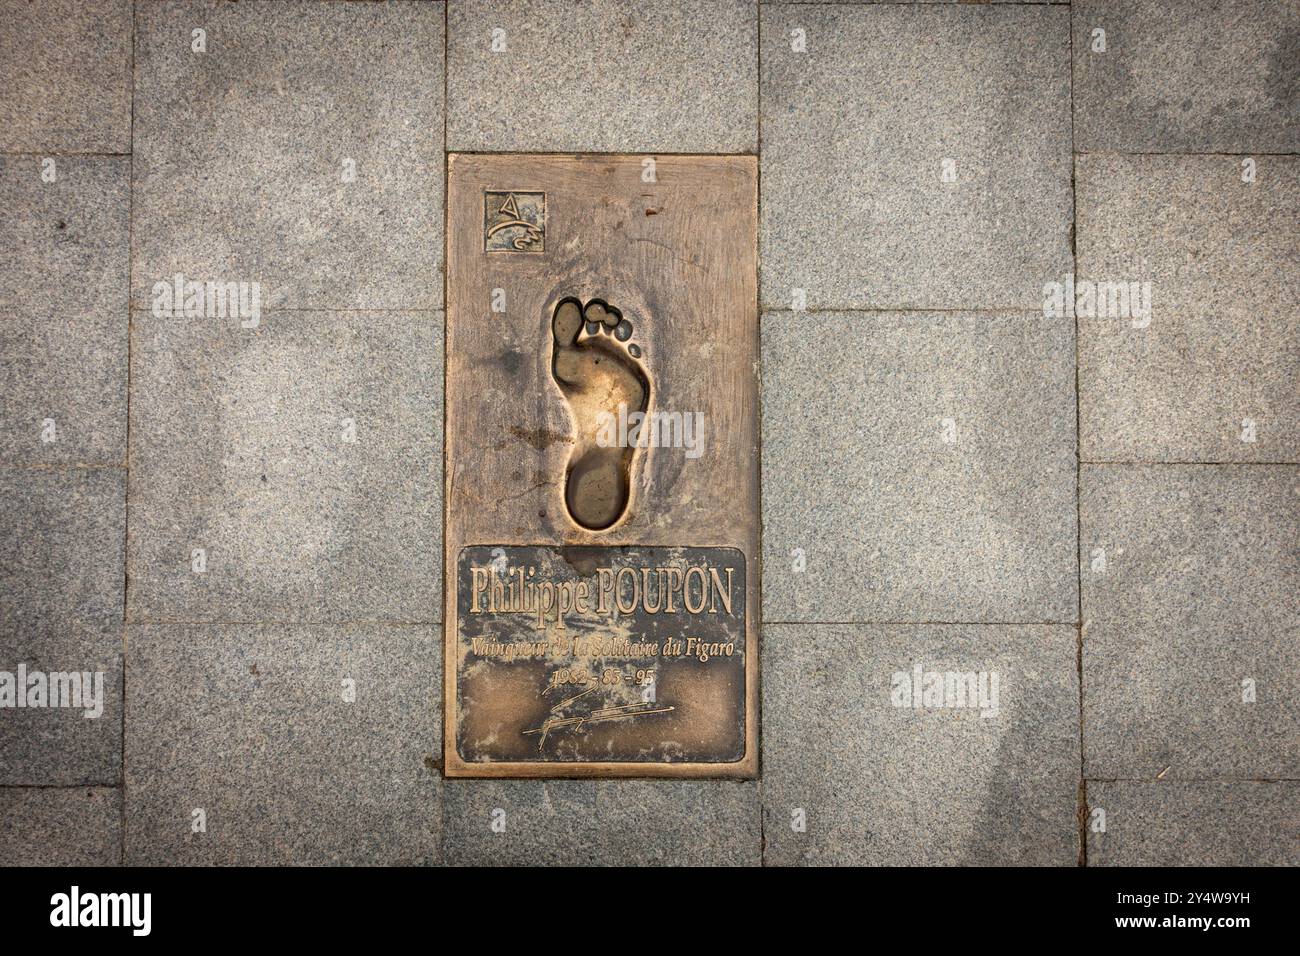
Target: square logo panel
514,222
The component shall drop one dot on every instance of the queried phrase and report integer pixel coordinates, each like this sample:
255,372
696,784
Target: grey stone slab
601,823
63,291
239,448
62,553
241,152
870,514
1217,358
856,132
1186,76
65,241
65,76
1166,823
249,724
61,580
72,673
74,826
853,775
602,76
1193,595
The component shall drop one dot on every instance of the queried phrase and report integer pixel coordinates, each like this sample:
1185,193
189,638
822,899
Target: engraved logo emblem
514,222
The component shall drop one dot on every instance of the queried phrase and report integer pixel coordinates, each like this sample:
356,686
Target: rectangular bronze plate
603,654
601,523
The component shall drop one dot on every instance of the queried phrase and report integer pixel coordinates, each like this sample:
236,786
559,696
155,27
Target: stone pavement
1089,511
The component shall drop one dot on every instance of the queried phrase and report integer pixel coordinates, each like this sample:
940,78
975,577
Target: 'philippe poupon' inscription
601,653
618,592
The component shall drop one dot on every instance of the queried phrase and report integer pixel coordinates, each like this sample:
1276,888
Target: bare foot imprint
597,373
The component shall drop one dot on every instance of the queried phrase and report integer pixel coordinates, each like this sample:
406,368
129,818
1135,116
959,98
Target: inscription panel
601,654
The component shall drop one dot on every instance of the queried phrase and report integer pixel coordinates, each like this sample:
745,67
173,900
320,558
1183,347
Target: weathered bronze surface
601,654
600,597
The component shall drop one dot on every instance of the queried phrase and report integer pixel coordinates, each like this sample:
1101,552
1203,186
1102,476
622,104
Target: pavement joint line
1082,802
60,154
351,622
1165,780
758,399
126,523
1182,154
928,623
71,466
358,311
440,744
60,786
1210,464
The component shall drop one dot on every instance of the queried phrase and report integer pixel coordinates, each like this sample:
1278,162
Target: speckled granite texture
1028,554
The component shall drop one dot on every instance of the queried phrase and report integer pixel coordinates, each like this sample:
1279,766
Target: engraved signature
557,720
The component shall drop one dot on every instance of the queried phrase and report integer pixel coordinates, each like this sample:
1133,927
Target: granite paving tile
63,292
260,745
74,826
1166,823
601,823
302,150
918,468
65,76
61,581
602,76
914,156
1189,651
1186,76
907,745
1202,364
290,471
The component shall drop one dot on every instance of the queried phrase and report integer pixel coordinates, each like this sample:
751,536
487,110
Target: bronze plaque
602,466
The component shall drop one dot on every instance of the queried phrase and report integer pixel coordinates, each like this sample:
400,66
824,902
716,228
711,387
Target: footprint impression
596,369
